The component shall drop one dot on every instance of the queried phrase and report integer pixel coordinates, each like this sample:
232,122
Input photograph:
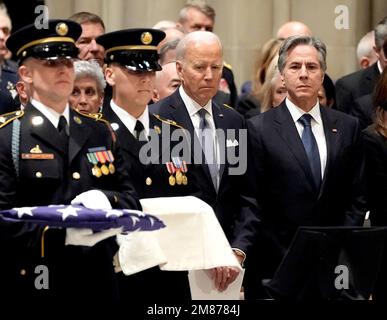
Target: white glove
86,237
93,199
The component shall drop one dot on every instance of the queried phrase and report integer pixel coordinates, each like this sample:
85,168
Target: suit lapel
221,141
331,136
42,128
78,135
287,130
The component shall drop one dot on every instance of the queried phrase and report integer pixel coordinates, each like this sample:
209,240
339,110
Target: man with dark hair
92,27
304,163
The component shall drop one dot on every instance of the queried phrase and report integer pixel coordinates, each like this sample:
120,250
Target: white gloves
93,199
86,237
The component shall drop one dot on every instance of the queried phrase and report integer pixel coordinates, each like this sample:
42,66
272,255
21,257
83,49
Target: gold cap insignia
2,119
146,38
61,29
111,56
157,129
77,120
36,149
24,53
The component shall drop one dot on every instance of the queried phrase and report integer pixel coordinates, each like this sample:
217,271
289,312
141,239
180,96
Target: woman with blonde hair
251,100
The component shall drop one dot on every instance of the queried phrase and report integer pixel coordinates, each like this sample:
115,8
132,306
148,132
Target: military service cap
135,49
56,41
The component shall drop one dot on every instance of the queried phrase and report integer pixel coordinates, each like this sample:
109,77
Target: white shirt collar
128,120
50,113
297,112
192,106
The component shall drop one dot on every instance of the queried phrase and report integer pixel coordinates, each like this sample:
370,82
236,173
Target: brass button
76,175
148,181
23,272
38,174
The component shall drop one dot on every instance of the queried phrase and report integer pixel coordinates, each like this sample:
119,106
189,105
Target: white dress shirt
193,110
51,114
129,121
317,128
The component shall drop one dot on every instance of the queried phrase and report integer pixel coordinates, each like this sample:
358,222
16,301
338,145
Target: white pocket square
231,143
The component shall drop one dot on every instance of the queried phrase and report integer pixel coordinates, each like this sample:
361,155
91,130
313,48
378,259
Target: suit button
38,174
76,176
148,181
23,272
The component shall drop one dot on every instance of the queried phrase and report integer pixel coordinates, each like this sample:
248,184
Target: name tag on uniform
37,156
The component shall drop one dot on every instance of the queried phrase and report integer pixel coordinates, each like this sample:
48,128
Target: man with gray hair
304,164
199,66
365,52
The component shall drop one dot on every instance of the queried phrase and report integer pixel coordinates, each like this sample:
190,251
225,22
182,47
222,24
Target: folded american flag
77,216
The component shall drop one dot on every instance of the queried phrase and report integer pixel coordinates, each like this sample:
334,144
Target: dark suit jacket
226,202
364,110
355,85
283,189
81,272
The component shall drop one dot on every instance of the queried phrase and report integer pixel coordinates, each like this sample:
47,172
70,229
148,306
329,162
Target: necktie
139,132
208,146
311,148
63,130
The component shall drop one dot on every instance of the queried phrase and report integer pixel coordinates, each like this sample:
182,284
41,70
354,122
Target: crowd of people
294,149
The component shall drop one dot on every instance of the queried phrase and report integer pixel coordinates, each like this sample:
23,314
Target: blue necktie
207,142
311,148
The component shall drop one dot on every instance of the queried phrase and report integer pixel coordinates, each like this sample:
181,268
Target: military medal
102,160
96,171
179,175
184,169
112,169
171,169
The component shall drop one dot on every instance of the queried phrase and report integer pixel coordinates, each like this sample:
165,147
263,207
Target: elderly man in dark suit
304,166
50,154
199,65
360,83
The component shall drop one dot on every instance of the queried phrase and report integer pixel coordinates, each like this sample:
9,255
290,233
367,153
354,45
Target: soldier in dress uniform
50,154
132,62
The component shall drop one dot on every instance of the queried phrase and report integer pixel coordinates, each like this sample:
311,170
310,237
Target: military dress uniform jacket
49,174
151,179
225,201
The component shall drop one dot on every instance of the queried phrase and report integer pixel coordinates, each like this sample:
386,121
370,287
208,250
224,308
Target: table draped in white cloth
192,240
